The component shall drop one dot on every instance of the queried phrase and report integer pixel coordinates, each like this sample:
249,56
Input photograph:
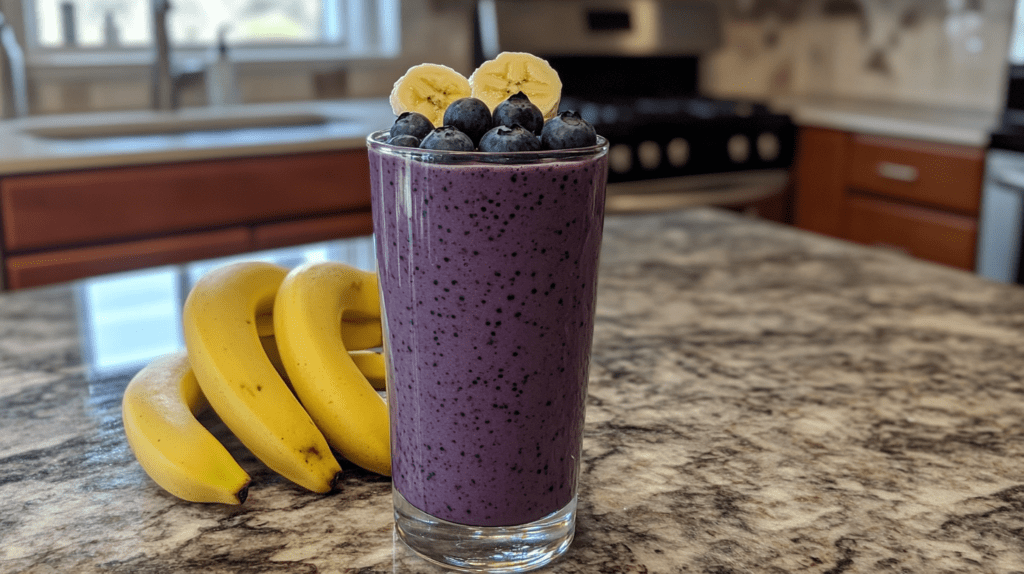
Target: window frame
371,33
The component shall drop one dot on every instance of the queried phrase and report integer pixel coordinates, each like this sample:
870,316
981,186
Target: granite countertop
761,400
78,141
950,125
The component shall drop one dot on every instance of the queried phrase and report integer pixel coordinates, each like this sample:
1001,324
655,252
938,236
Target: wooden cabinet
62,226
308,230
917,197
942,176
57,265
820,180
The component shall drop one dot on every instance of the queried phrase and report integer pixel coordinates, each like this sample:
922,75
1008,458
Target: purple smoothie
487,275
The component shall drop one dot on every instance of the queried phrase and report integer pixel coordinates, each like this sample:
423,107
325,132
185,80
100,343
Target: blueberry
413,124
447,138
404,140
518,109
471,116
567,130
504,138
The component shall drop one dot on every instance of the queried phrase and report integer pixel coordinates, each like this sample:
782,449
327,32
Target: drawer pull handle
897,171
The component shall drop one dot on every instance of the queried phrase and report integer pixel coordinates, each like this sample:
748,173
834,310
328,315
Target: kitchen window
75,33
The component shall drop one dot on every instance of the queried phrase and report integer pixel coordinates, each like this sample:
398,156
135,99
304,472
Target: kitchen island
762,399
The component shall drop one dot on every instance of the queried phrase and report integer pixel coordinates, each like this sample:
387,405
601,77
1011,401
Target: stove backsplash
933,52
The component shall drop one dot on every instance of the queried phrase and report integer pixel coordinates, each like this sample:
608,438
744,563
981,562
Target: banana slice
512,72
428,89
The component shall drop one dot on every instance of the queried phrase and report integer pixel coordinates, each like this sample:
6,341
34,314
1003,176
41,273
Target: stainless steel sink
175,125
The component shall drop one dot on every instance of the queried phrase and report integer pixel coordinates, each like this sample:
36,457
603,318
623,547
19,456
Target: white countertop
346,125
960,126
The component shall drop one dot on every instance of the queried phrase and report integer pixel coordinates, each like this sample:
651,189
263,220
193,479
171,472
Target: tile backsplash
932,52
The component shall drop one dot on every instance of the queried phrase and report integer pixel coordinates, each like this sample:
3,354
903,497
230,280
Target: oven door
1002,214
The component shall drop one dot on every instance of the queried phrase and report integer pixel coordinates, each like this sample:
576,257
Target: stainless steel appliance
1000,254
999,251
631,67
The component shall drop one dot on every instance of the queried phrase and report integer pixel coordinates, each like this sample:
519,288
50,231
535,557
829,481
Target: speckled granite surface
762,400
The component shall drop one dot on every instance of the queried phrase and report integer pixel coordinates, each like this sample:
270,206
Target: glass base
485,548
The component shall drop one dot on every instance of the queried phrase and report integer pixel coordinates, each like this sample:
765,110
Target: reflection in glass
127,319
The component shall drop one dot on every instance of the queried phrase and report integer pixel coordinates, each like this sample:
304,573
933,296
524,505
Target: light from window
128,23
1017,35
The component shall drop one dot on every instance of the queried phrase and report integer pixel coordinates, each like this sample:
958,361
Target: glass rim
376,140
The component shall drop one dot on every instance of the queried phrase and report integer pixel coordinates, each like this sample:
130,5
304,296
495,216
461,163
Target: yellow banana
159,409
371,365
512,72
269,343
428,89
361,333
309,308
236,375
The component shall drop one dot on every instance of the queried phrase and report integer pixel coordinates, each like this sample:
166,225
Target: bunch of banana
159,410
429,88
313,300
280,357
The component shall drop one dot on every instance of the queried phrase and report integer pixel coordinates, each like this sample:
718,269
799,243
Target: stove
654,138
631,68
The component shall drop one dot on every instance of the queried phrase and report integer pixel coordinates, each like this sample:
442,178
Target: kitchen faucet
168,79
163,82
13,83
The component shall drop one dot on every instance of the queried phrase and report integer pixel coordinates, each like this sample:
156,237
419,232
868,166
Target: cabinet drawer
922,232
312,230
64,209
934,174
66,264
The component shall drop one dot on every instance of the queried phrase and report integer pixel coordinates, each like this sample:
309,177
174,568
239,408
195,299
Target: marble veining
761,400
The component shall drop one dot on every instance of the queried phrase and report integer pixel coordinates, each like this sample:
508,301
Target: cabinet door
943,176
66,264
820,180
312,230
926,233
91,206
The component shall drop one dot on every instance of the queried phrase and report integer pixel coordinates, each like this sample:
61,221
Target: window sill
102,64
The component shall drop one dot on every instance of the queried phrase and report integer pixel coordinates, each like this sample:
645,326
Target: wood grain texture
947,176
92,206
311,230
55,266
931,234
820,180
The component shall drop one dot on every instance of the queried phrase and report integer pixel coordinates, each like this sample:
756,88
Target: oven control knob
738,148
620,158
591,113
768,146
609,114
649,154
677,152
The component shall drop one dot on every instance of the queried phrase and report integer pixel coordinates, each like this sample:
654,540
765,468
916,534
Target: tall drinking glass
488,266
